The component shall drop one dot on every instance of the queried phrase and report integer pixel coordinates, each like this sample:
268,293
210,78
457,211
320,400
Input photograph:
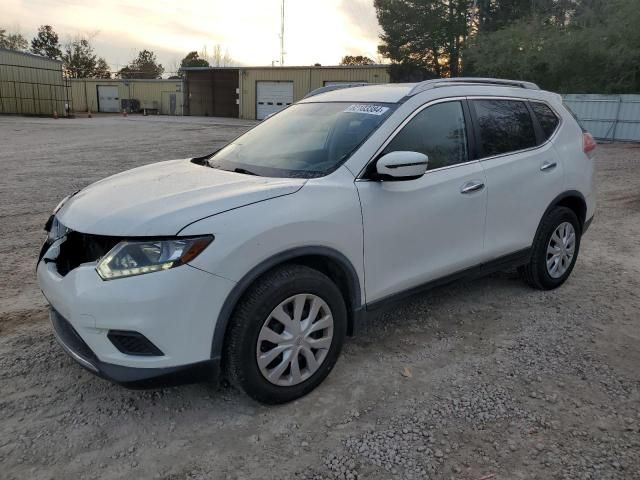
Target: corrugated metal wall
608,117
31,85
212,92
150,93
304,80
199,89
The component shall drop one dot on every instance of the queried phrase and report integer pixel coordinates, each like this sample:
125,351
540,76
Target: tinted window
505,126
547,119
438,132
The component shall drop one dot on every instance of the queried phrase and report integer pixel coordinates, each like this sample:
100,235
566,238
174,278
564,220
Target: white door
522,179
272,97
416,231
108,99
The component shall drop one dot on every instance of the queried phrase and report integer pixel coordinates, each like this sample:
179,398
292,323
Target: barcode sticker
367,109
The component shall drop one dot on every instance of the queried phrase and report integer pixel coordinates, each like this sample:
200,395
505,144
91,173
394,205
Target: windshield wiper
245,171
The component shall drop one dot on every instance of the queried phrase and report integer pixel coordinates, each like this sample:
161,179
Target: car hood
162,198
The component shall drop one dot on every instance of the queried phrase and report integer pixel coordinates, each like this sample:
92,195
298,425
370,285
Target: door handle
471,187
546,166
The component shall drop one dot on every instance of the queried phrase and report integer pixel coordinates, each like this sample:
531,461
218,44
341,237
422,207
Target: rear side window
505,126
437,131
547,119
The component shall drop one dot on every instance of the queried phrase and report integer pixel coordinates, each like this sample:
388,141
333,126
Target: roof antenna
282,34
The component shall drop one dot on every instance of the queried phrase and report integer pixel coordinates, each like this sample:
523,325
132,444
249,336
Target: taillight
588,143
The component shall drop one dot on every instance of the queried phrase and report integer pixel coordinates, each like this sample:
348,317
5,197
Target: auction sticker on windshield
368,109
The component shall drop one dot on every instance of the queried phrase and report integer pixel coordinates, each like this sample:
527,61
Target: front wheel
555,250
286,334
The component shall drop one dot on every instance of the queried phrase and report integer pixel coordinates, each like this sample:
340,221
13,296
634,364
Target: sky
316,31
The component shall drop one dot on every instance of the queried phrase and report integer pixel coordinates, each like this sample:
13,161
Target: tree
46,43
192,59
145,65
218,58
590,46
79,59
578,45
13,41
356,60
101,69
427,35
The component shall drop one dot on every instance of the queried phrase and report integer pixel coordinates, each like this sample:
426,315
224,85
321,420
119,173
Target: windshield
305,140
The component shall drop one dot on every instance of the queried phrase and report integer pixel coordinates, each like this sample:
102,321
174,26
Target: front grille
81,248
70,338
133,343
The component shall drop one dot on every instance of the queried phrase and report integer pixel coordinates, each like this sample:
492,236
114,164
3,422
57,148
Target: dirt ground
481,380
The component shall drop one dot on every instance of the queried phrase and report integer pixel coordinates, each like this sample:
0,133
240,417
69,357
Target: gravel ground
481,380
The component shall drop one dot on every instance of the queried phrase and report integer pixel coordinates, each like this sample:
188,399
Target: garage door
272,97
108,100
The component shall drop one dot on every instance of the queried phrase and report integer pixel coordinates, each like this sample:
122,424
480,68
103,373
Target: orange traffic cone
124,112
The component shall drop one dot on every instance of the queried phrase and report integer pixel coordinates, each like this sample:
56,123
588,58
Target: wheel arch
572,199
324,259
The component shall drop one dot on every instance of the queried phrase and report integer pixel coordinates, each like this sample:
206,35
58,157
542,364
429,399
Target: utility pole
282,34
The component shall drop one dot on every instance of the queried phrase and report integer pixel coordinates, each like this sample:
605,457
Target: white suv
258,260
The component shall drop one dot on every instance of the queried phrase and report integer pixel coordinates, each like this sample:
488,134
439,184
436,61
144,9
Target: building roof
126,80
32,55
286,67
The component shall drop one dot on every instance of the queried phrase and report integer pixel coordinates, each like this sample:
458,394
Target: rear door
271,97
523,171
420,230
108,100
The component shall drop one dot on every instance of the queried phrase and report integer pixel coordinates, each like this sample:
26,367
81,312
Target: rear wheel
286,334
555,250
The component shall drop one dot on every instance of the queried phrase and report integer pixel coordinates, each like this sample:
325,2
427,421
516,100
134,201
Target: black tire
535,272
240,364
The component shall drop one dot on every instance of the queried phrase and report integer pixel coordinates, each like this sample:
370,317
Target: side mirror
402,165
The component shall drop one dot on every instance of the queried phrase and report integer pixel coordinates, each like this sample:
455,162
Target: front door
416,231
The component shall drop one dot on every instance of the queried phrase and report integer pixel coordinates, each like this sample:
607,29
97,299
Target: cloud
249,29
361,15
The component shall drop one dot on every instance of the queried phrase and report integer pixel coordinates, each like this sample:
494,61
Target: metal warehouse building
255,92
105,95
32,85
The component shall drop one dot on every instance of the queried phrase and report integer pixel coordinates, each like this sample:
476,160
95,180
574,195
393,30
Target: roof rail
330,88
447,82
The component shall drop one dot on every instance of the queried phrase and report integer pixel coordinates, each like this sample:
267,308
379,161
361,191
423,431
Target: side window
547,119
438,132
505,126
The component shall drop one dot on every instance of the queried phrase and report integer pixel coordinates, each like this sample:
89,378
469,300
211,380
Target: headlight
56,230
130,257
